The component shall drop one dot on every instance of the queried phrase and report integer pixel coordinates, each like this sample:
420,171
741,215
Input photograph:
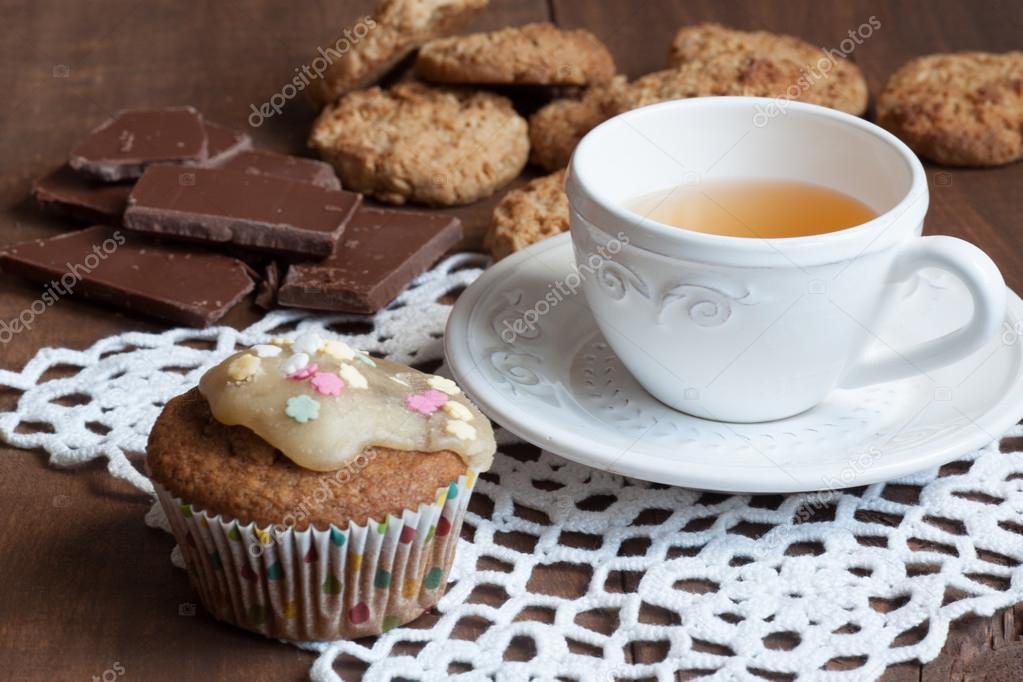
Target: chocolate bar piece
70,194
266,290
125,145
114,266
262,162
263,212
381,252
222,142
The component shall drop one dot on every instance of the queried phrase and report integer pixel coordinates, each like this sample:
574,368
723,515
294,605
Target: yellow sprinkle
280,341
338,350
264,536
354,562
457,410
444,384
353,377
409,589
460,429
243,368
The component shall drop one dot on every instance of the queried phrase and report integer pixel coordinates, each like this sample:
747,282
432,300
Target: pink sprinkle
304,373
327,383
427,402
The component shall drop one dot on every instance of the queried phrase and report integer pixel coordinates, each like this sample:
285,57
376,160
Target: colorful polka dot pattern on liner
359,575
331,585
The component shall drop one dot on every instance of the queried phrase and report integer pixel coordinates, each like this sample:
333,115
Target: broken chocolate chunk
67,193
262,212
381,252
134,273
222,142
123,147
266,290
262,162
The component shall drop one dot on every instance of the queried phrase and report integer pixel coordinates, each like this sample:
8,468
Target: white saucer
561,387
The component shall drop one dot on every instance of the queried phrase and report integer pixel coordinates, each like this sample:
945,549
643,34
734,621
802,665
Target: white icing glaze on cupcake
321,403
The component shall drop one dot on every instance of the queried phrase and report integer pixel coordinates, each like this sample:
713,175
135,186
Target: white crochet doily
733,586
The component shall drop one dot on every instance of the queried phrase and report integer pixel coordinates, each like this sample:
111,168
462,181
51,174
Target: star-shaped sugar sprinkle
352,376
295,363
266,350
327,383
309,343
302,409
304,373
427,402
338,350
460,429
457,410
243,368
444,384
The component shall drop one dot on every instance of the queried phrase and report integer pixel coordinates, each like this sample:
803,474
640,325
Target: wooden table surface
84,585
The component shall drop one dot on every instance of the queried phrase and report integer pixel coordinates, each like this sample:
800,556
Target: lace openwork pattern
819,586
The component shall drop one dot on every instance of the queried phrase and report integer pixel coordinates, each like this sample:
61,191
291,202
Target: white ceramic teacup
744,329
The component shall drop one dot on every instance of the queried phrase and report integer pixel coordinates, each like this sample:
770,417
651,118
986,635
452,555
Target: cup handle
983,280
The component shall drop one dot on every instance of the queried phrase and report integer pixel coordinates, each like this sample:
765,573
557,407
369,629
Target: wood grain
85,584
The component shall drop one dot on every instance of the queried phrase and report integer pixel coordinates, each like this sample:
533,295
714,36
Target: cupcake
315,492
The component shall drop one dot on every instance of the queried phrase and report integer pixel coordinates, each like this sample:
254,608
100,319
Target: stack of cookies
442,144
449,137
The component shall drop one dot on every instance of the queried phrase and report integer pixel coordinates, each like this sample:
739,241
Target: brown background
83,583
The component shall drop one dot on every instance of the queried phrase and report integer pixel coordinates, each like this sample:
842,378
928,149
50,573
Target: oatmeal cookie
556,129
534,54
962,109
528,215
396,28
706,60
416,143
767,65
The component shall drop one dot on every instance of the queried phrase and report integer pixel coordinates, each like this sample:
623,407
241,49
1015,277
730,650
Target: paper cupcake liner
319,585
